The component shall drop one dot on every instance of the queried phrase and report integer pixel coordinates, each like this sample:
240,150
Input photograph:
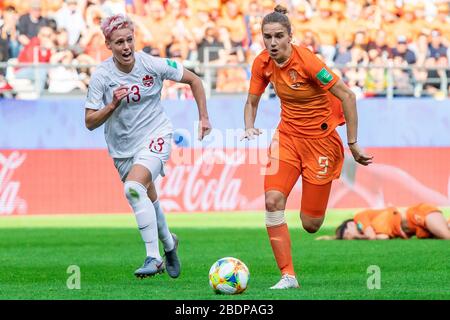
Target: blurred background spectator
232,78
359,37
70,18
8,32
30,23
39,50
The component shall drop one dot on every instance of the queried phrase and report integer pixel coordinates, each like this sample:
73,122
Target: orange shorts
416,217
319,161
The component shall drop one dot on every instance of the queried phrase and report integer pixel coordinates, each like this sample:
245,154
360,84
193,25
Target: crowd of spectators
349,35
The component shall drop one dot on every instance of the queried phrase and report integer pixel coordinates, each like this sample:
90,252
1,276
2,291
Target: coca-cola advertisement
208,180
51,164
10,200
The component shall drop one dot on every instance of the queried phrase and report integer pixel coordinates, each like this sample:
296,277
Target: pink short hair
115,22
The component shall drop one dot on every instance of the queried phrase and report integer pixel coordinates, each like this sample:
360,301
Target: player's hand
250,133
204,128
118,94
359,156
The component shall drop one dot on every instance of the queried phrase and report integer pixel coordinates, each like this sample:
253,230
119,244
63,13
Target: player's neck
281,62
126,68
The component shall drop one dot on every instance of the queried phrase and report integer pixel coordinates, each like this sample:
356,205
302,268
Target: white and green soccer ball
229,276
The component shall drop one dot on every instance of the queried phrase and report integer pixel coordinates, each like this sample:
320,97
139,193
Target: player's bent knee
272,204
274,201
311,225
311,228
446,236
134,191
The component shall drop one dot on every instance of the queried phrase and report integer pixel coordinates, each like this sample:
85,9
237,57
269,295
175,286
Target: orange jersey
308,109
384,221
416,216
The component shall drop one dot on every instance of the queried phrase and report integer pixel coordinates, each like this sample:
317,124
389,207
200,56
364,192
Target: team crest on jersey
294,77
293,74
147,80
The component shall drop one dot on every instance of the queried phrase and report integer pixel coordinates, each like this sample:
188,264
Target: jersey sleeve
427,208
318,71
258,82
94,98
169,69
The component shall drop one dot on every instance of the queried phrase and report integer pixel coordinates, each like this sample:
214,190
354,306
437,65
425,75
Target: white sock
145,215
163,229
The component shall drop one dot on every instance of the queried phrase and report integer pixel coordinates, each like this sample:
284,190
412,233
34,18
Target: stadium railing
390,87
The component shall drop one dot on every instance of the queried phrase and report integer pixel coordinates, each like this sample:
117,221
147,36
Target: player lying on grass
422,220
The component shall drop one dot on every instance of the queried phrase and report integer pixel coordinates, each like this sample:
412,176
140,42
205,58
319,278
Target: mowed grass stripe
251,219
34,263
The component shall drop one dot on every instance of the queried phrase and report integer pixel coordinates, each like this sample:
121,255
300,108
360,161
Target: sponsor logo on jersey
171,63
148,80
324,76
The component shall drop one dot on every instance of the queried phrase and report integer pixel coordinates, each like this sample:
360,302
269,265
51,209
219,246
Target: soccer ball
229,276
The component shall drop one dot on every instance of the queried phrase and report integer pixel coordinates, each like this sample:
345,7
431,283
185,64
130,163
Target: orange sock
280,241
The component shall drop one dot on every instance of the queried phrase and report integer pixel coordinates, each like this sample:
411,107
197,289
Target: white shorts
153,157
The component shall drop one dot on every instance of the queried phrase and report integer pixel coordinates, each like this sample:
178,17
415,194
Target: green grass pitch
37,250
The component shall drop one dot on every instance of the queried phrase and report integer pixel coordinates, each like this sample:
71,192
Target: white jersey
140,117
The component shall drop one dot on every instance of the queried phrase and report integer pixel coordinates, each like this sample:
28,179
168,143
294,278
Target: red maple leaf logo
148,81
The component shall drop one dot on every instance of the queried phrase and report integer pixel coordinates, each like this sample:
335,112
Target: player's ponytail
279,15
279,8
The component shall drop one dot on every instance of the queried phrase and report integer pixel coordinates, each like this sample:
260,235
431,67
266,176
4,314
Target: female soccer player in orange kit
306,142
423,220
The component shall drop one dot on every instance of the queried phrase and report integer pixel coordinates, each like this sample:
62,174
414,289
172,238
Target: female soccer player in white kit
125,94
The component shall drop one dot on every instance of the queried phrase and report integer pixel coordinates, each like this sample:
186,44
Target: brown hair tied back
278,16
279,8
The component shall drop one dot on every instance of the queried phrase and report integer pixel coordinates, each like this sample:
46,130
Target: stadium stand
379,47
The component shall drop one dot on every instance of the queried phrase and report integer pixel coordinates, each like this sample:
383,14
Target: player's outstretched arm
204,127
348,98
250,110
95,118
